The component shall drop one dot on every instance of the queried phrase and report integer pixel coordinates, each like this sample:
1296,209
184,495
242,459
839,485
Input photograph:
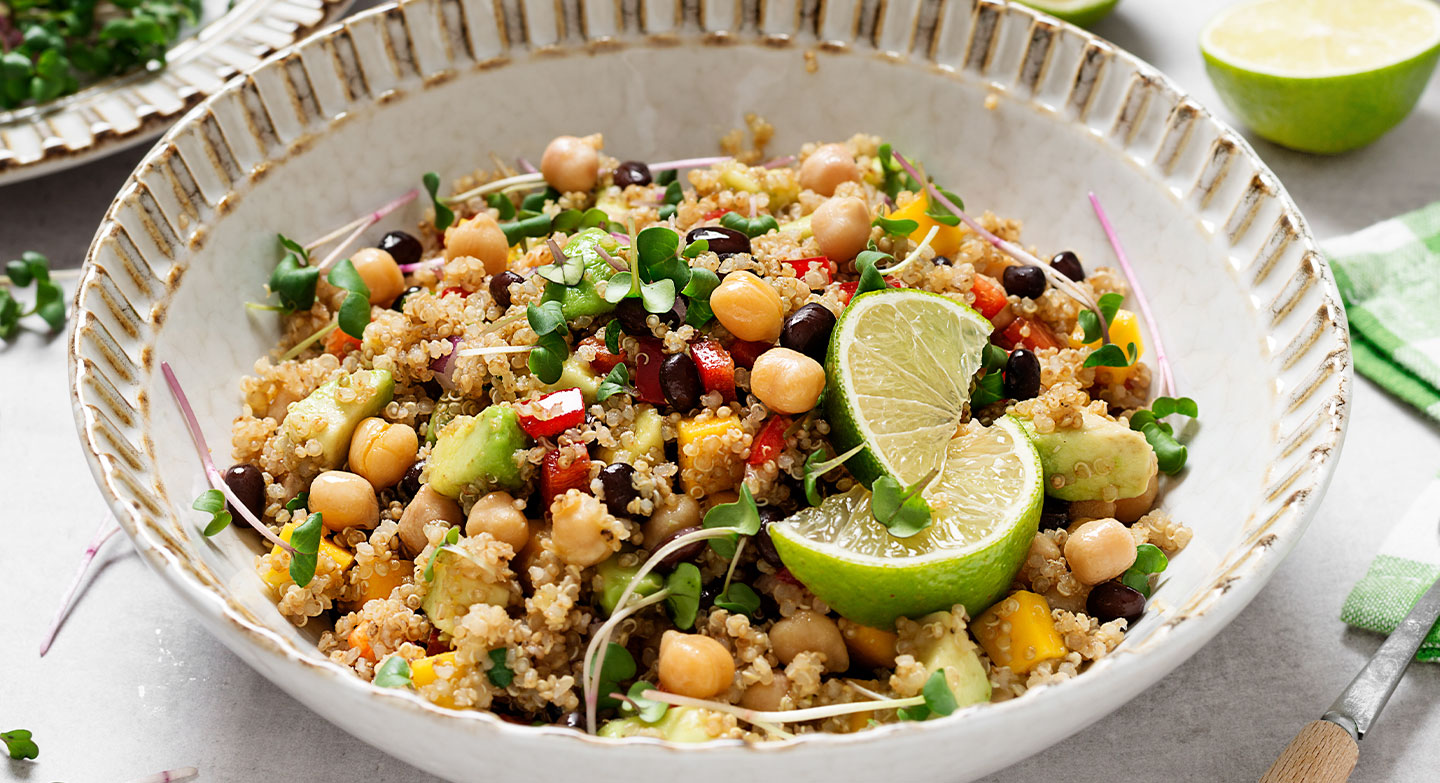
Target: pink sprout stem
622,237
778,162
688,163
526,166
418,265
615,263
170,776
216,479
365,221
1162,360
108,528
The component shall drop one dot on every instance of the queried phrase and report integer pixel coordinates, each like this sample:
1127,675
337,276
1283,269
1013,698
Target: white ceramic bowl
1014,110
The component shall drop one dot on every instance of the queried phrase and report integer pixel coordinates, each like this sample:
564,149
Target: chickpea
766,698
872,647
569,164
497,515
578,529
1098,550
809,631
1129,510
479,237
787,381
426,507
694,665
841,227
380,273
381,452
677,513
828,166
345,500
749,307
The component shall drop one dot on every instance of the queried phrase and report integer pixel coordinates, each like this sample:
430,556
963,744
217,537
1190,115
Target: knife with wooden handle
1325,751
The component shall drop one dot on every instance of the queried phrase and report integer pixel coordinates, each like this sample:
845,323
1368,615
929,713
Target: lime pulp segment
1321,38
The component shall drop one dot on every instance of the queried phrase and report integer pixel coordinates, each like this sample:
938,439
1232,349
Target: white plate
122,111
1019,114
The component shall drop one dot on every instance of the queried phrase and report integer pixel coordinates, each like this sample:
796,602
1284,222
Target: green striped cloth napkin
1389,277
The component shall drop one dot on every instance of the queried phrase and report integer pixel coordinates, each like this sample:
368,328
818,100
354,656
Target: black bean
632,172
1113,600
632,316
616,482
1067,263
942,261
680,381
1056,514
402,247
248,484
500,287
409,483
1024,281
1021,375
574,720
808,329
763,545
721,240
684,554
399,304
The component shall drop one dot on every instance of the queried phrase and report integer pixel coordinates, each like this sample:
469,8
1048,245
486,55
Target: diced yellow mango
1018,632
872,647
947,238
277,579
719,474
425,671
380,585
1124,331
646,439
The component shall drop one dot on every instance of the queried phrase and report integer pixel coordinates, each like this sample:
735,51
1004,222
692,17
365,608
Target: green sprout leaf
702,283
212,502
648,710
750,227
897,228
939,699
502,205
293,279
673,194
499,672
444,216
19,745
940,213
612,337
817,466
694,249
613,667
547,358
354,313
1169,452
659,296
655,245
563,271
1108,355
683,599
306,541
535,202
298,502
617,381
739,599
546,318
50,304
1110,305
9,315
452,537
902,510
619,287
989,390
664,178
1090,323
742,515
895,177
532,226
870,277
393,672
1148,560
573,219
1165,406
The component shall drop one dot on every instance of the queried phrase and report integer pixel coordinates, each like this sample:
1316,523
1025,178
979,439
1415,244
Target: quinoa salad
740,447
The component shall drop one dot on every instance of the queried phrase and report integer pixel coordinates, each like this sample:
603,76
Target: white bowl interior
1250,321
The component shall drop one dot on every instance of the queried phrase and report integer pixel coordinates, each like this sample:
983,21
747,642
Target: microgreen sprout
617,381
49,304
687,163
1162,359
683,595
212,502
1148,560
902,510
306,540
936,697
501,203
1170,452
217,480
354,228
299,348
671,200
1109,305
108,528
612,336
548,356
19,745
938,212
742,516
913,255
738,598
615,263
393,672
752,226
990,388
655,274
354,313
614,667
526,226
895,178
648,710
562,270
499,673
444,215
293,279
817,466
870,277
452,537
896,228
703,282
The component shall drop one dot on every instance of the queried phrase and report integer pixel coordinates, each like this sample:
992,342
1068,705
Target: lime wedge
1077,12
898,379
986,507
1322,76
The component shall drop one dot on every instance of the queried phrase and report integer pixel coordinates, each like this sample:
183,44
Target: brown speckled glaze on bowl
1016,111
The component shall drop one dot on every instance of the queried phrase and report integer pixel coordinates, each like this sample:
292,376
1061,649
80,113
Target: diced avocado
458,584
478,450
322,415
680,724
649,442
614,578
801,225
613,206
954,651
583,299
575,374
1112,455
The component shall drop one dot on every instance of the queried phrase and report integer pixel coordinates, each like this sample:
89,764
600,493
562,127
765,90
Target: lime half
1322,76
1077,12
985,507
898,378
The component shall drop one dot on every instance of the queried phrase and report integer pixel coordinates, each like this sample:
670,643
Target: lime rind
1081,13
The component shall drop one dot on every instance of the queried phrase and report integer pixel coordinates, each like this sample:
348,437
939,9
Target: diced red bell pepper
340,343
1025,333
647,371
434,645
989,296
745,352
556,481
802,267
847,290
715,213
552,414
604,361
770,443
717,368
454,289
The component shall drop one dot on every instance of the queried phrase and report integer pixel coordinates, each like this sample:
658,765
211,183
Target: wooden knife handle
1321,753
